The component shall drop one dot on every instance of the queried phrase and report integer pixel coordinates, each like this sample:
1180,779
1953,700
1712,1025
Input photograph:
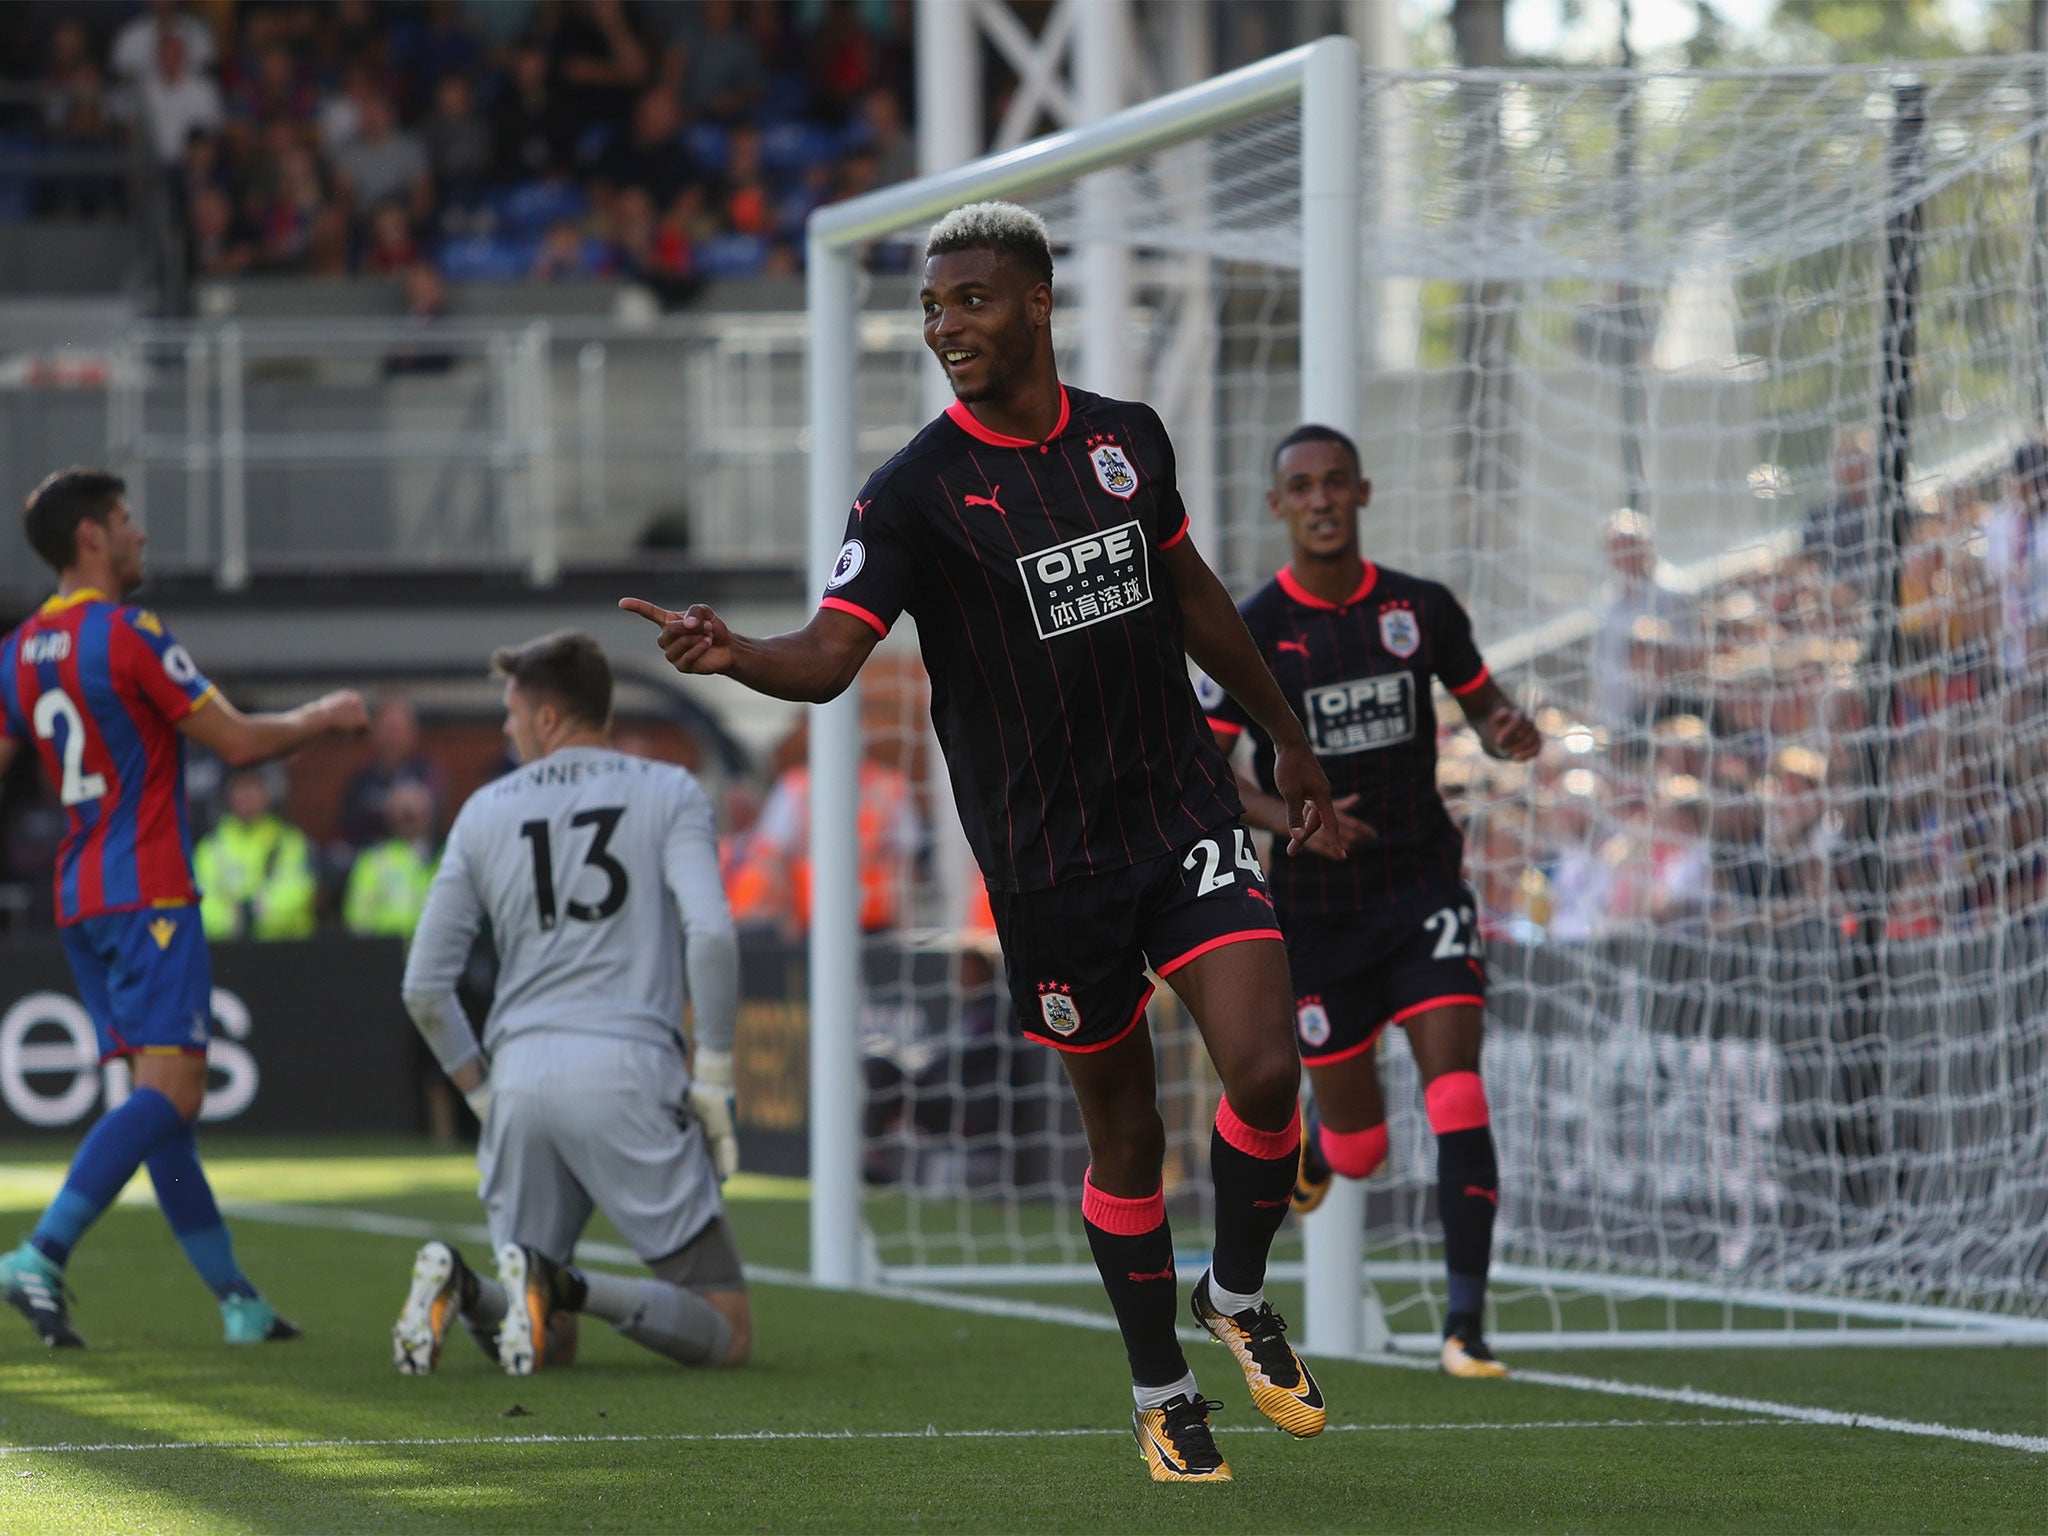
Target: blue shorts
146,979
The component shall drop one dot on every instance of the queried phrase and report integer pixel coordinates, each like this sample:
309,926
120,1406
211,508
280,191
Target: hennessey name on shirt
1087,580
1361,715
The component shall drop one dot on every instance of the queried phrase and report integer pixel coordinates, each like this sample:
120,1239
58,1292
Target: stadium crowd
1777,747
546,140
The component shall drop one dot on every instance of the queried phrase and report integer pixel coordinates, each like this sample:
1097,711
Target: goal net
1767,922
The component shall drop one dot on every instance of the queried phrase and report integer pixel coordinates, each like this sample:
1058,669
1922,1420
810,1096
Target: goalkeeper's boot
536,1287
1282,1388
1312,1174
252,1320
34,1287
1465,1354
1175,1441
443,1289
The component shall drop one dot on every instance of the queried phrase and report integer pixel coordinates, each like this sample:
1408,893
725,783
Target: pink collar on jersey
965,420
62,601
1308,599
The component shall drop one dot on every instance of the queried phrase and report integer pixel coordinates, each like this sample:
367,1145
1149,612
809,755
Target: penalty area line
819,1436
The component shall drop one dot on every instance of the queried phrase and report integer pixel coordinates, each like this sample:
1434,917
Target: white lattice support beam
949,85
1393,311
1102,45
1183,383
1038,62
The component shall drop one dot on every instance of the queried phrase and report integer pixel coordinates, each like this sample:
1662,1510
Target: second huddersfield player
1386,932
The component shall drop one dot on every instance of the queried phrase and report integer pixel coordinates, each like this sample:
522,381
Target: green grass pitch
866,1414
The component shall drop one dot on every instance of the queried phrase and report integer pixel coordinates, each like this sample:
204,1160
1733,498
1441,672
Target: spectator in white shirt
136,52
1648,632
177,101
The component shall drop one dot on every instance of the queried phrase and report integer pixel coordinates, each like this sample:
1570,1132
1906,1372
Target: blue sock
106,1161
186,1200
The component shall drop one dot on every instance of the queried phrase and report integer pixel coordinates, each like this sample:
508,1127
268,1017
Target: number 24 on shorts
1209,854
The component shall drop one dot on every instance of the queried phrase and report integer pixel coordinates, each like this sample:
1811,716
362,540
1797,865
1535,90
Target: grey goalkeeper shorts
594,1122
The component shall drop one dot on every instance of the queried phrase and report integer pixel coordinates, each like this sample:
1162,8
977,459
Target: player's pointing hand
695,641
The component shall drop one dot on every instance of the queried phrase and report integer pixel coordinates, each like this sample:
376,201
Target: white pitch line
1692,1397
1073,1317
1788,1413
744,1437
343,1219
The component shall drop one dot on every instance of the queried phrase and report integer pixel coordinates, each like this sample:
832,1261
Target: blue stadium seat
486,259
17,193
709,145
530,207
787,98
792,146
594,141
732,256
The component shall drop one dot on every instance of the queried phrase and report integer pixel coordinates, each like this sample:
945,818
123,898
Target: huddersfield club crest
1399,632
1056,1003
1312,1022
1113,471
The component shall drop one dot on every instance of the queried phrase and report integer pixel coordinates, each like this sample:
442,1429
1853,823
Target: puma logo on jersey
860,508
1298,646
1159,1274
1490,1195
988,501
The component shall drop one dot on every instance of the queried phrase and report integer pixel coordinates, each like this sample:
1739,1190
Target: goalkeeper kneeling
585,861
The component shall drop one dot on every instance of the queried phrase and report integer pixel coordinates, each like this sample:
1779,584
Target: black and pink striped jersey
1358,674
1052,634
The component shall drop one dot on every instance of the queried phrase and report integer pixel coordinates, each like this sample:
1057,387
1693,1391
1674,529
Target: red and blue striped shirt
100,687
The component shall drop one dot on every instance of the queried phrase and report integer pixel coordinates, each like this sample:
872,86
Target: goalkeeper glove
711,1103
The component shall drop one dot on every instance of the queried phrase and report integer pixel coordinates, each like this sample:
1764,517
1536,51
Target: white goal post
1767,924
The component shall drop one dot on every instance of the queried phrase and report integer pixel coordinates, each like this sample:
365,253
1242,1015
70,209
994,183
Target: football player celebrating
1384,931
1038,536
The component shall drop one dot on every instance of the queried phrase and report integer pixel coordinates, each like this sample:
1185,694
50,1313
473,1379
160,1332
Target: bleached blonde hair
1009,228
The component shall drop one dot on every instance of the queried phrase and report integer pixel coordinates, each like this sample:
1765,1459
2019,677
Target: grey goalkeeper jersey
588,864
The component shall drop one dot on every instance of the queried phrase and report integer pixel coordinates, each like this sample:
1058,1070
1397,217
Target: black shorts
1077,952
1356,973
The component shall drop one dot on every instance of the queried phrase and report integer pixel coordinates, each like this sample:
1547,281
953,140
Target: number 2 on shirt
78,786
